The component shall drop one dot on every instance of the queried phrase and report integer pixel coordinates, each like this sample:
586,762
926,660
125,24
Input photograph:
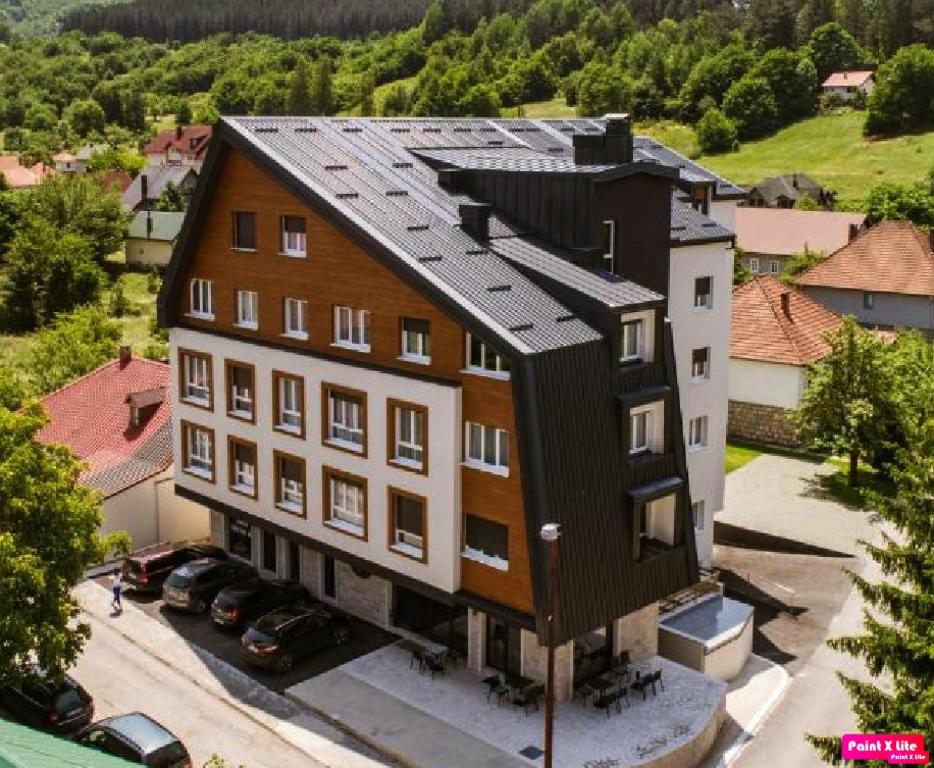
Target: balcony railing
651,467
635,378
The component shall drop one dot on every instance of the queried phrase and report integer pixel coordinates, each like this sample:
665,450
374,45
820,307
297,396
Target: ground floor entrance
435,621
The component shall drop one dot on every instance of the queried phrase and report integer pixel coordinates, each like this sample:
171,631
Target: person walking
116,603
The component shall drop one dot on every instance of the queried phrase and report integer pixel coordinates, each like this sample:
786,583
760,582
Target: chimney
178,132
614,145
854,231
126,354
451,179
786,305
144,186
475,219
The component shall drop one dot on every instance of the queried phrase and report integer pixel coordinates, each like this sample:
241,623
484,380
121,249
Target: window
239,538
869,300
482,358
288,403
754,264
700,364
487,448
416,340
697,433
352,328
774,267
345,502
242,458
697,514
244,231
269,551
198,450
702,295
293,235
407,430
290,483
486,542
202,299
295,321
640,427
407,530
197,379
345,425
248,309
632,340
240,391
609,245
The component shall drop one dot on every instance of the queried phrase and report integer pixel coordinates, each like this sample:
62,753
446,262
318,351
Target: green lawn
739,455
832,149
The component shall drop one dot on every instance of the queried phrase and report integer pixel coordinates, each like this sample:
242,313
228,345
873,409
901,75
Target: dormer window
609,245
699,198
143,404
633,343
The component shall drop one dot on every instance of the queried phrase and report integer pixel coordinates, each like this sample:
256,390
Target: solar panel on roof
306,129
428,259
335,167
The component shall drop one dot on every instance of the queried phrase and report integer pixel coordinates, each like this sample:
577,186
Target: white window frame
342,514
644,414
481,460
698,513
301,307
243,471
628,326
774,267
356,323
754,264
197,367
404,541
199,463
697,433
239,398
289,419
419,355
494,373
703,306
299,248
704,375
249,301
869,300
201,299
341,429
291,493
417,450
609,255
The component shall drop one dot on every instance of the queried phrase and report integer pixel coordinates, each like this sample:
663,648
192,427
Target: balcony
648,468
640,376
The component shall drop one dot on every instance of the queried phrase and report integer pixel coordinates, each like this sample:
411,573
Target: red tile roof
192,138
91,417
760,329
844,79
786,231
891,257
119,179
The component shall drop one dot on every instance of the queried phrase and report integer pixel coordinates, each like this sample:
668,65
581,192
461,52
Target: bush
902,99
153,280
750,104
716,132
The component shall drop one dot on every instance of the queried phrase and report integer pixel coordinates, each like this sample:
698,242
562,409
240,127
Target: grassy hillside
40,17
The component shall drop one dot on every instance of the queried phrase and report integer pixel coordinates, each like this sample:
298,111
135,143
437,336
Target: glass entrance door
503,646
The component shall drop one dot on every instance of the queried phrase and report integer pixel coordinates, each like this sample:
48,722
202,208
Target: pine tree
299,101
322,93
183,115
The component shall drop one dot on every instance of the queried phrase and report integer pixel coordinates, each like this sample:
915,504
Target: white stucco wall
752,381
724,213
890,309
441,487
692,329
148,252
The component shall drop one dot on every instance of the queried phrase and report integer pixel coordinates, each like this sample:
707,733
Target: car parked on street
139,739
284,636
246,600
193,586
147,569
60,707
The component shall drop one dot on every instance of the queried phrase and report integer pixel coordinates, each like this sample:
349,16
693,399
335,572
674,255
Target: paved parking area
225,644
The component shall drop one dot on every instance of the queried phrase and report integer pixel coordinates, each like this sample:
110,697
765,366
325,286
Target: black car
193,586
282,637
139,739
62,707
246,600
148,569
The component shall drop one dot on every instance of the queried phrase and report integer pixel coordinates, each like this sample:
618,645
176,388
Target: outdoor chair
419,657
607,701
583,692
491,682
434,665
646,682
528,698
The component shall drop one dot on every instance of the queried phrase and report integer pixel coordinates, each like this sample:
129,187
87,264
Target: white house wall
889,309
752,381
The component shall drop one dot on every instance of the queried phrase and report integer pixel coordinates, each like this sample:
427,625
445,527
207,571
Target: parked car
287,634
246,600
147,570
62,707
193,586
138,738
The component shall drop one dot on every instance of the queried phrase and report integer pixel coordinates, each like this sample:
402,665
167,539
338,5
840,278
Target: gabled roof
789,185
852,78
158,177
787,231
119,180
891,257
91,417
156,225
190,139
761,330
22,747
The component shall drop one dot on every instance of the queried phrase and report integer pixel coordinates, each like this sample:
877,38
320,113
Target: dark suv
63,707
147,569
193,586
246,600
139,739
287,634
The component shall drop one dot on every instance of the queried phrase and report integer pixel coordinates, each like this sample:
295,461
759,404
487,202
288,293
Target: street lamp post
550,534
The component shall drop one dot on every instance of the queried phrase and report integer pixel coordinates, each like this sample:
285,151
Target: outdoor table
436,651
601,684
622,671
518,682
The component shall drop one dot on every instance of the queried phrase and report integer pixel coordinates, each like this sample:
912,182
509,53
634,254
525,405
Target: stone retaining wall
761,424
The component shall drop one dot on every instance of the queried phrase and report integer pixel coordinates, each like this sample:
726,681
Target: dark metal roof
689,226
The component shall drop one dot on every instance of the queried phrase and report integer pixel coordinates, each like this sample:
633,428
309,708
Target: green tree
480,101
433,27
322,90
48,537
40,117
905,202
299,101
715,132
397,101
793,80
902,97
85,117
833,49
183,113
750,104
813,14
365,95
850,400
171,199
772,23
12,391
602,89
800,262
711,77
740,273
91,339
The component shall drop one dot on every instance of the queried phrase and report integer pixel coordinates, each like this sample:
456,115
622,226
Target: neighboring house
884,277
401,347
65,162
777,331
849,85
117,419
151,237
18,177
22,747
147,188
86,154
186,145
785,191
118,181
769,237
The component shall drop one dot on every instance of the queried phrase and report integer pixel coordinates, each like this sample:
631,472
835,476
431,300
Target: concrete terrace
448,721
